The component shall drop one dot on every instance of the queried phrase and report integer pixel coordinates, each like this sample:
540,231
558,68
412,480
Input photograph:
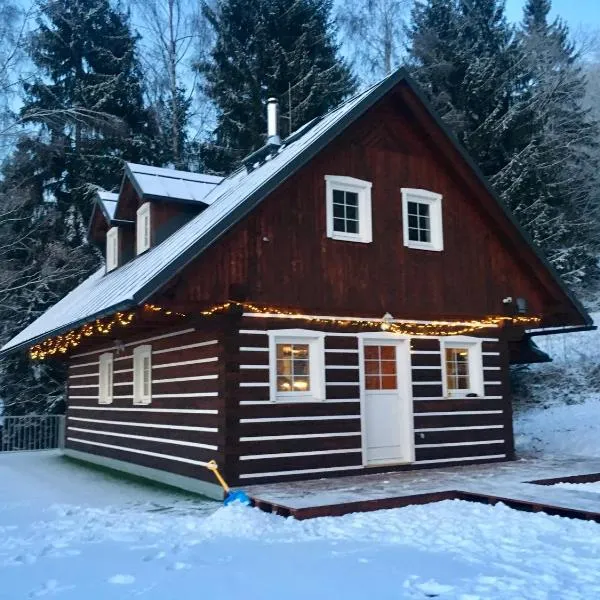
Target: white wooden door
387,421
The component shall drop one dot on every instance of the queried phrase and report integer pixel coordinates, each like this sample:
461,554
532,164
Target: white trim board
300,472
157,410
146,425
136,343
144,452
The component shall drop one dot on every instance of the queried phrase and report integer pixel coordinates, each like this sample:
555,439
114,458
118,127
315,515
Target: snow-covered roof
109,203
228,202
176,185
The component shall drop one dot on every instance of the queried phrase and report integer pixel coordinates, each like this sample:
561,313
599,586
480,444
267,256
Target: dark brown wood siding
279,255
274,441
183,425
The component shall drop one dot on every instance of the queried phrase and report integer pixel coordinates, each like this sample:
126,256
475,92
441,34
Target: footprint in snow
122,579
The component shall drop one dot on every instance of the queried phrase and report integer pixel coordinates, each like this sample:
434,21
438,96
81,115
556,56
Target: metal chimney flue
273,122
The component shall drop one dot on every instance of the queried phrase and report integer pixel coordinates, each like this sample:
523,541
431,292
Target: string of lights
63,343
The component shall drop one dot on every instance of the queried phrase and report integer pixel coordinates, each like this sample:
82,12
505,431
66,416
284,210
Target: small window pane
413,221
388,367
339,225
372,352
388,352
388,382
284,384
300,367
301,384
372,367
351,226
423,209
372,382
352,213
351,199
338,197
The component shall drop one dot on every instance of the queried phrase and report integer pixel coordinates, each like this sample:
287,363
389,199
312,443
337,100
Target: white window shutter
105,379
143,228
112,248
142,375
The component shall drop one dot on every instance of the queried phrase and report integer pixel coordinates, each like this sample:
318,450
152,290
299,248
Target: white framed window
296,365
105,379
142,375
348,209
422,219
462,367
143,232
112,248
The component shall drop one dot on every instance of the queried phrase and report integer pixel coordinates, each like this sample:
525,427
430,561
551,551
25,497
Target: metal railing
32,432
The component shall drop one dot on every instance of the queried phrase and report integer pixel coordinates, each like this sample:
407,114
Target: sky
577,13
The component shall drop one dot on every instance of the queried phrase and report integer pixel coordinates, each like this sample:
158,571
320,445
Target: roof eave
125,305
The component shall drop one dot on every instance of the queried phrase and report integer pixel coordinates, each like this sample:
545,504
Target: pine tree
269,48
85,108
554,179
87,99
465,56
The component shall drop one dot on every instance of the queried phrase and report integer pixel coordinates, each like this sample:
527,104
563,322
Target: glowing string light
63,343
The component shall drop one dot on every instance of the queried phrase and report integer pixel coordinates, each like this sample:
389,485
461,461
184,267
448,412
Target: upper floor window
143,228
422,219
112,248
296,365
348,209
142,375
463,370
105,383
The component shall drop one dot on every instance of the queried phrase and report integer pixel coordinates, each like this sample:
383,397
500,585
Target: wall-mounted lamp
386,321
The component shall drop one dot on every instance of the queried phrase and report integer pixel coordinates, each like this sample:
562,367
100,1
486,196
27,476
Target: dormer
160,201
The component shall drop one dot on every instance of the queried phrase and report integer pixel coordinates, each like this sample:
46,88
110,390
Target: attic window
112,249
422,219
348,209
143,228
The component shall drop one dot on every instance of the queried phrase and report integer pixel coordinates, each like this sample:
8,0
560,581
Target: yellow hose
212,465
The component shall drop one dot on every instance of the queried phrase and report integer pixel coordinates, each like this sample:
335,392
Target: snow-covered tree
373,35
85,114
514,98
466,57
269,48
552,181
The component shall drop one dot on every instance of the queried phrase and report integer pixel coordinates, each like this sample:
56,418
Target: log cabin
348,301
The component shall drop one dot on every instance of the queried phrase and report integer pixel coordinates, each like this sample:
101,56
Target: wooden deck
525,484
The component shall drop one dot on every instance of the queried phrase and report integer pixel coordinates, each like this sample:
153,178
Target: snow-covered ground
561,416
71,533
